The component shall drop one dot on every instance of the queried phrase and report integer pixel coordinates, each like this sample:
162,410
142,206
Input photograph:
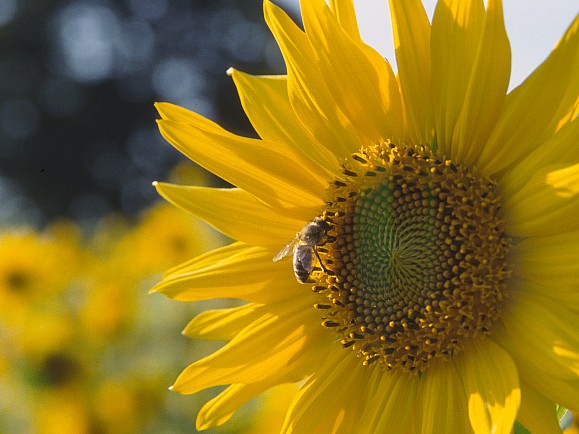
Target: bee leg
320,260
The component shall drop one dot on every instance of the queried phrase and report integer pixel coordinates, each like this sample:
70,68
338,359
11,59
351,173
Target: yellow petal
233,212
346,16
457,28
544,332
559,149
360,81
412,43
234,271
442,401
545,379
222,324
380,386
491,384
389,90
487,88
552,262
276,178
394,403
537,413
220,409
547,205
539,107
307,89
266,103
332,398
285,341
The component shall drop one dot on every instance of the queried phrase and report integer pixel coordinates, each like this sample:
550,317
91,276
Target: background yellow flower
83,347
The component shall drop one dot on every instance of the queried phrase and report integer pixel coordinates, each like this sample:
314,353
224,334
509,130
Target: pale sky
533,26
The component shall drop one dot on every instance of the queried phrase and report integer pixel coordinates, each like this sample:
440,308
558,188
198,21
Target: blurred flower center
58,369
17,280
415,259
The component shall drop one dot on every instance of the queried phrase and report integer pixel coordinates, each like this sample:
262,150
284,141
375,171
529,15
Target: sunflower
436,220
34,266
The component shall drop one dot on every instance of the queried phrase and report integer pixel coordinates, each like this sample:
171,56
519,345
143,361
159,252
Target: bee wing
286,250
304,256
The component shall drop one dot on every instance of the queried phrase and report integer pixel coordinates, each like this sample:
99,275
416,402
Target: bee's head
316,230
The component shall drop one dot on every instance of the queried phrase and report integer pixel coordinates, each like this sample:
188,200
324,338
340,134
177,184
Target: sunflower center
415,258
17,280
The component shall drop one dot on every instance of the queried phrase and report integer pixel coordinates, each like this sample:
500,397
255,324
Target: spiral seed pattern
415,258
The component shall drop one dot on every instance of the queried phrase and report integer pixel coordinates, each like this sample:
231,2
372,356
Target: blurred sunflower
439,216
34,266
170,232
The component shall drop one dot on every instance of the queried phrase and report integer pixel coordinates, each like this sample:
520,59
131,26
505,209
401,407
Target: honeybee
303,246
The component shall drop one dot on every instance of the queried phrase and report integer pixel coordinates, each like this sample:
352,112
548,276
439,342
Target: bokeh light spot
8,10
176,77
86,37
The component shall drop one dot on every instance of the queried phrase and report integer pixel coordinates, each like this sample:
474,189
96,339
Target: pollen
415,259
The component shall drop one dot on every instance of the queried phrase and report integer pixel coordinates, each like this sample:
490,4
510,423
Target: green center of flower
415,258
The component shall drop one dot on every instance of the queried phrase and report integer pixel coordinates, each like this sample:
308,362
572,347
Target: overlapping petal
486,90
412,43
442,401
394,403
361,82
539,107
309,95
491,383
550,262
274,176
457,28
346,16
546,205
232,212
223,324
542,374
556,152
266,104
542,331
537,413
564,392
234,271
272,340
336,391
219,410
